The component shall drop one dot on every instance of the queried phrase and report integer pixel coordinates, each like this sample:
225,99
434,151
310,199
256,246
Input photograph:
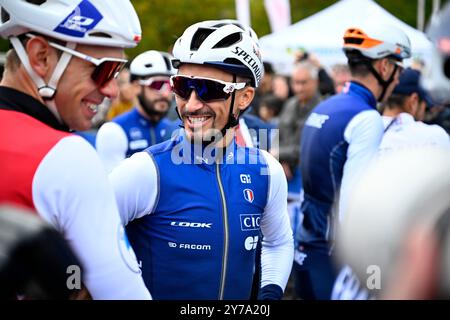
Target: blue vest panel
322,158
141,132
194,245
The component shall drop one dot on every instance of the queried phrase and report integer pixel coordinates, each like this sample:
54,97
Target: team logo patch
248,195
82,19
250,221
251,243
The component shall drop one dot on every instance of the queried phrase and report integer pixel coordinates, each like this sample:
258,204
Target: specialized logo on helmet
247,58
82,19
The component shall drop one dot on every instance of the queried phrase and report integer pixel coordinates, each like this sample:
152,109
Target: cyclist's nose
166,92
110,89
193,103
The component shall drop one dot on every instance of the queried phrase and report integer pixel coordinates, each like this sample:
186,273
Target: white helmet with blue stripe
111,23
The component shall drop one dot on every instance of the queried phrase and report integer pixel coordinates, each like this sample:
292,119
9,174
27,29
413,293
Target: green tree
163,21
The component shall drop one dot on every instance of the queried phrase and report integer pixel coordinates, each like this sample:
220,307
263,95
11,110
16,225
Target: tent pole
421,14
436,6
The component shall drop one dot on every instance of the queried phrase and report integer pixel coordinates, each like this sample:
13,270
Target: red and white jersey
60,176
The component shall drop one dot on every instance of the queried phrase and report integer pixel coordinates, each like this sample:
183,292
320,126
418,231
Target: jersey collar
358,89
11,99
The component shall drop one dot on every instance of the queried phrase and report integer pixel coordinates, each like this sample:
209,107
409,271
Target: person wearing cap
62,64
146,124
404,113
197,206
339,139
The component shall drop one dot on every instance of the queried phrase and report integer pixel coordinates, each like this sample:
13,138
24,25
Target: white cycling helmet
378,41
237,23
97,22
363,45
152,63
436,78
112,23
223,45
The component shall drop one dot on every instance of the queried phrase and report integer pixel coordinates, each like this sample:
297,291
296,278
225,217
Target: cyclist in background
146,124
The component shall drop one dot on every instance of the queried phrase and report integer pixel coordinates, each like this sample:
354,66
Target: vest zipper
225,235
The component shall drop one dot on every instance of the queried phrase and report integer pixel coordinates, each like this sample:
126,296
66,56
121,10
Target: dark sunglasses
207,89
156,84
106,68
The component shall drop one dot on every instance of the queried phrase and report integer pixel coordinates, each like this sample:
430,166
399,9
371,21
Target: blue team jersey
141,132
204,227
322,159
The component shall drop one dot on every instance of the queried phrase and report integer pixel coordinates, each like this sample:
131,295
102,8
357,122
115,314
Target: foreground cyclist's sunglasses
156,84
207,89
106,68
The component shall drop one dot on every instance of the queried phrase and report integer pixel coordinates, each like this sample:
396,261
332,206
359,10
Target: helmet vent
229,40
99,35
5,16
37,2
148,65
200,35
353,41
233,61
167,62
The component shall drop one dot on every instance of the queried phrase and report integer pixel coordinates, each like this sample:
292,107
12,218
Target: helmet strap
46,91
232,120
383,83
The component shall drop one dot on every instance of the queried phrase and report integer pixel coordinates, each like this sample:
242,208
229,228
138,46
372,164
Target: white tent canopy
322,34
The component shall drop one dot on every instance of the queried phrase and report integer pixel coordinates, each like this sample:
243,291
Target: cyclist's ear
244,97
42,57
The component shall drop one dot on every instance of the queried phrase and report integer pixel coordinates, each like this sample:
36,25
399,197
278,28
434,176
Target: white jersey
71,191
60,177
403,131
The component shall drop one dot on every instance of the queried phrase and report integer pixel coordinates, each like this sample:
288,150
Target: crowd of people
202,173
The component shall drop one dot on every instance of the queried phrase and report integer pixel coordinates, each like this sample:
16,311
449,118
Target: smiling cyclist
197,206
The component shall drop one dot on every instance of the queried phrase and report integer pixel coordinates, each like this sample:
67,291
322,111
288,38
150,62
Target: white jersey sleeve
111,144
278,243
363,134
71,191
135,183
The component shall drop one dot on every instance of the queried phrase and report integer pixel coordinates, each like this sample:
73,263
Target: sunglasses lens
159,84
207,90
106,71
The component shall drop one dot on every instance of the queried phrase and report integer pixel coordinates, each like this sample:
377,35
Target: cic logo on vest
250,221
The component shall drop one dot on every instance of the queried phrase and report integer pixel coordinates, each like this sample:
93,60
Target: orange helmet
378,42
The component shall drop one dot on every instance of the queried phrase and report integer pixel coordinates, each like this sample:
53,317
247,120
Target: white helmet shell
378,41
224,46
111,23
152,63
237,23
436,75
